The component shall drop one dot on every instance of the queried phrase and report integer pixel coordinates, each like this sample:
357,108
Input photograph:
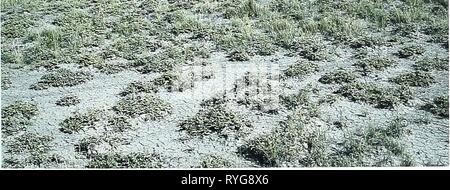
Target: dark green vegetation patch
68,100
214,119
300,69
292,145
439,106
62,77
94,119
18,115
338,77
432,63
282,144
6,82
132,160
134,105
372,93
410,50
30,150
215,161
32,142
375,63
139,86
415,79
80,121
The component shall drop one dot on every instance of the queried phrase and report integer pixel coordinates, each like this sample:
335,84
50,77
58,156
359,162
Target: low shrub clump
289,144
430,64
153,65
169,81
68,100
139,86
173,82
338,77
301,68
293,101
30,150
313,49
295,144
415,79
132,160
61,78
6,82
366,41
214,161
18,115
373,63
410,50
439,106
80,120
134,105
31,143
214,119
373,94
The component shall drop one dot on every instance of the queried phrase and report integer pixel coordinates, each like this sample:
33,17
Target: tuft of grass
386,137
62,77
284,32
410,50
372,93
415,79
338,77
214,119
78,121
134,105
16,116
132,160
39,56
375,63
409,14
439,106
131,24
68,100
214,101
430,64
300,69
